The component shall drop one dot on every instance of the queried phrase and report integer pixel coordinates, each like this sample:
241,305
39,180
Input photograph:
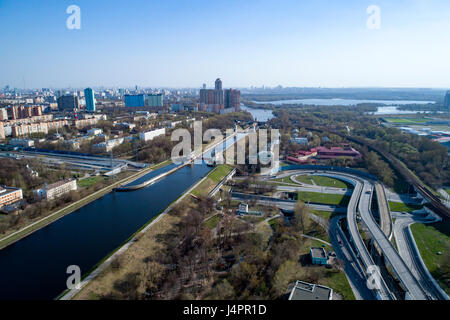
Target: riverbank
140,243
45,221
132,251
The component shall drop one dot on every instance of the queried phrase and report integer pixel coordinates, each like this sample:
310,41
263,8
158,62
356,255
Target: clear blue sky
186,43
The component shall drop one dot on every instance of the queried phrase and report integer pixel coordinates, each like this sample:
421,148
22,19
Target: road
287,205
410,254
344,252
384,211
360,206
402,271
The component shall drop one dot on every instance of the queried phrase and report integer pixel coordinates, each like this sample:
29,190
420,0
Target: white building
95,132
150,135
108,145
57,189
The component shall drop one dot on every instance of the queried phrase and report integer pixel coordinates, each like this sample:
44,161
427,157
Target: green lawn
430,240
324,214
406,120
220,172
447,190
212,180
86,183
400,206
323,198
339,283
323,181
212,222
283,180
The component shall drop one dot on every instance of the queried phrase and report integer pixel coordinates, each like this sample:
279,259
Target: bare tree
301,214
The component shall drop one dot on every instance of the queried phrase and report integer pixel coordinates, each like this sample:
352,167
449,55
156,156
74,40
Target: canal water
35,267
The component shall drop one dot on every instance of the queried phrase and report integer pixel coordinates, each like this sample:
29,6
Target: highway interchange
405,265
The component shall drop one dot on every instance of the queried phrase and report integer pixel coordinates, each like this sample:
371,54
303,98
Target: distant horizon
245,87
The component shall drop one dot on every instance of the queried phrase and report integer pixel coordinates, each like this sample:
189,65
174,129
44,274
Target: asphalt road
409,253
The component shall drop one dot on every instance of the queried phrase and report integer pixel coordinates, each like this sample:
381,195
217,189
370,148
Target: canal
35,266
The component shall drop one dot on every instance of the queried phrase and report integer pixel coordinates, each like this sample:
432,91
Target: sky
185,43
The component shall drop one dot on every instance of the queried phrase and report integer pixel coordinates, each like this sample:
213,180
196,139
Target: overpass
360,208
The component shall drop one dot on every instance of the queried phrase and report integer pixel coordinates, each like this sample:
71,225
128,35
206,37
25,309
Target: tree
288,272
301,214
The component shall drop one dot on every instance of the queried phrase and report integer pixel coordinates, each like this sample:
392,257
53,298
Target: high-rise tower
218,84
447,100
90,99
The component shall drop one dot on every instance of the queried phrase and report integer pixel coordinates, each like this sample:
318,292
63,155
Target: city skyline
179,45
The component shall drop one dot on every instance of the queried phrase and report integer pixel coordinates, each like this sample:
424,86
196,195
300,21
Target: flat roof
58,184
309,291
318,252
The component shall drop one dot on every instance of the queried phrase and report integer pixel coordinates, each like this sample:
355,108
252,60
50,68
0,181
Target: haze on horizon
170,43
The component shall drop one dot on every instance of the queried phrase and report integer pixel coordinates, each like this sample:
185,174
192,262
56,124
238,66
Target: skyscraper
90,99
68,102
447,100
233,99
137,100
155,100
218,98
218,85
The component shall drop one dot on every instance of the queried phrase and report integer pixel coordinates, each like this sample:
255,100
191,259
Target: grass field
323,181
339,283
212,222
218,174
212,180
331,278
430,240
324,214
283,180
447,190
86,183
406,120
402,207
323,198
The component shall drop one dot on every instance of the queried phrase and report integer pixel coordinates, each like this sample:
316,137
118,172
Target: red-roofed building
335,152
323,153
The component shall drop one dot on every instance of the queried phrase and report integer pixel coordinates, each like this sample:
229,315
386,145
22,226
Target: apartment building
9,195
57,189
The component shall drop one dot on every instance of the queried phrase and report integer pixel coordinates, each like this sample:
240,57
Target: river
35,266
261,115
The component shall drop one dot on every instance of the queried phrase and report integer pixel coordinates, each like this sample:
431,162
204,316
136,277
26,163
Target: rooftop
318,252
58,184
308,291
